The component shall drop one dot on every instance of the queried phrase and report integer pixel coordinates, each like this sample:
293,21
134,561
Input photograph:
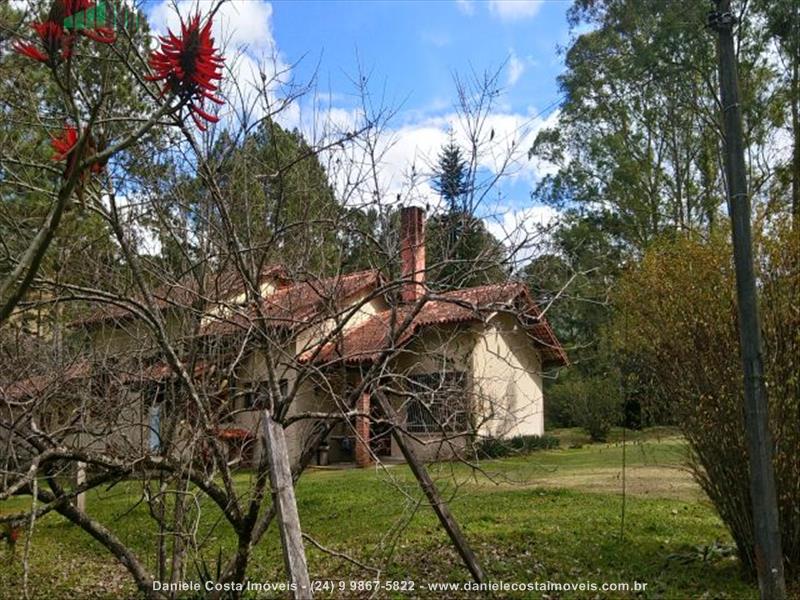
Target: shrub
678,325
558,398
520,444
591,402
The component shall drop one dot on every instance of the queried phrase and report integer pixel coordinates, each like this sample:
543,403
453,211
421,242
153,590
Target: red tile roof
295,304
299,303
234,433
38,385
366,342
218,288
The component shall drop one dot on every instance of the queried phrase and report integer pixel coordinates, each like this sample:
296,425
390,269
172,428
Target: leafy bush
590,402
678,327
520,444
558,401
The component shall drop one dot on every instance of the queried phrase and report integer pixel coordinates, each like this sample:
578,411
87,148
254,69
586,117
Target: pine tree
462,252
450,179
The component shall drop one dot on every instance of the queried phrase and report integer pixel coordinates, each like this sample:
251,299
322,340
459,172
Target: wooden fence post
80,479
283,498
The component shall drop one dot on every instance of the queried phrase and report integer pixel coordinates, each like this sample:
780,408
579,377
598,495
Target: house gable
508,380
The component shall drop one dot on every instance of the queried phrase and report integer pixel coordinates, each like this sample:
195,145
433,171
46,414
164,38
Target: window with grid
438,402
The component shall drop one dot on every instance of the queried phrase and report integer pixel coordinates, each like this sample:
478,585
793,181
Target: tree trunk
438,503
80,479
796,141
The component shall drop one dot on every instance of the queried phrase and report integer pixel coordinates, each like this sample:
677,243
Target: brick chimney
412,252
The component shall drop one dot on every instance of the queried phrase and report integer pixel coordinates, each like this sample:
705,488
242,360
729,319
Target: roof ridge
505,284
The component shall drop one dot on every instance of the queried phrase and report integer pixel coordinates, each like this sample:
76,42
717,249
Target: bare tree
204,375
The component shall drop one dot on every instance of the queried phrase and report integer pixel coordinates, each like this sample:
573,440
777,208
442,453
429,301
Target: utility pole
767,534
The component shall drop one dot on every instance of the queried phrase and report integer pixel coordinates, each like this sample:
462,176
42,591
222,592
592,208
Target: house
454,366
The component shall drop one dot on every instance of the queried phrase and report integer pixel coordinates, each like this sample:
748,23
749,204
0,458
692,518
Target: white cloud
516,67
525,232
407,151
466,6
406,155
132,211
512,10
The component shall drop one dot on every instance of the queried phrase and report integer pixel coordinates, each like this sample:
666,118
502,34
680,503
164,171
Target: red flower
55,39
63,146
51,35
104,35
73,6
29,50
52,38
188,65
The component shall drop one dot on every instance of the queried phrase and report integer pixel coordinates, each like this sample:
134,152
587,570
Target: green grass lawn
550,516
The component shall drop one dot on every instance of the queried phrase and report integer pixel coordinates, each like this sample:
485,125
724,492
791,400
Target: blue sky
415,46
411,50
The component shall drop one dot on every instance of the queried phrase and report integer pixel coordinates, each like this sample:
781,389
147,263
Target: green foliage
450,179
678,327
575,278
361,246
460,252
631,141
277,199
573,282
591,402
34,110
519,444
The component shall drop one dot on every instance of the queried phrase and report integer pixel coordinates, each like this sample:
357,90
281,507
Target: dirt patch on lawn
655,482
645,481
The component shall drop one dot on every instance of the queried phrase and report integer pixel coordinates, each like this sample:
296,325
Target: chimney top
412,252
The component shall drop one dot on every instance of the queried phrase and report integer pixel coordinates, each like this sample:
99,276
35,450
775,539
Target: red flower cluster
73,6
11,533
188,65
55,39
234,433
63,147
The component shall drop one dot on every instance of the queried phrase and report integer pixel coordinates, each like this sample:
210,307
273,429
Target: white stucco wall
508,380
504,379
310,396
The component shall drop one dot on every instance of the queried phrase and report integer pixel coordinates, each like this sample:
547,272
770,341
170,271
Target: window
256,399
438,402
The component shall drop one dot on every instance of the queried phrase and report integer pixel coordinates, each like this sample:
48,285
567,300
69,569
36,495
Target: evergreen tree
450,179
461,251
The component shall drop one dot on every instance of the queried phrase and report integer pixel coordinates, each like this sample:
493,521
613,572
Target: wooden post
767,534
362,452
80,479
438,503
280,474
